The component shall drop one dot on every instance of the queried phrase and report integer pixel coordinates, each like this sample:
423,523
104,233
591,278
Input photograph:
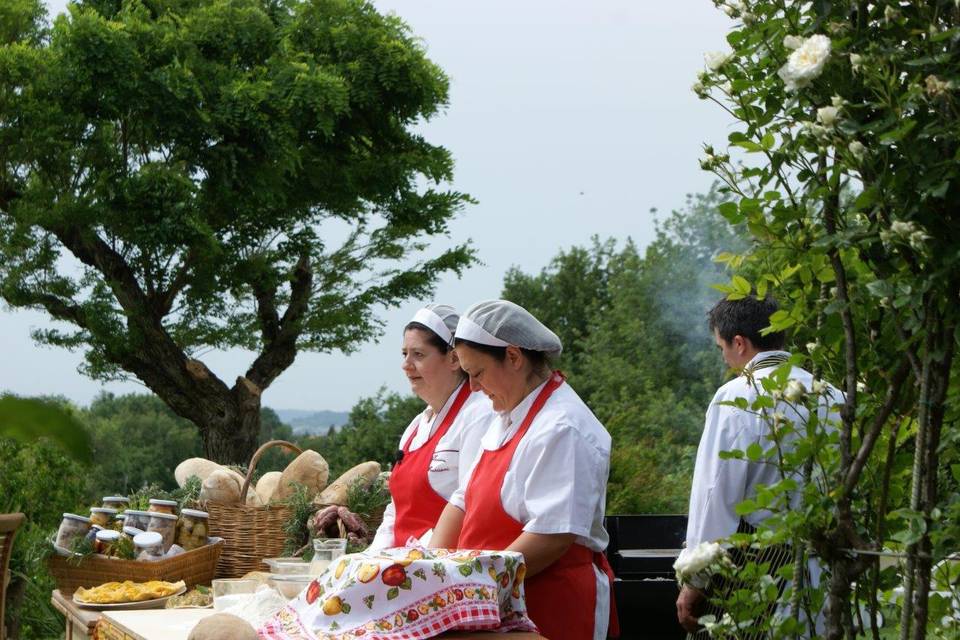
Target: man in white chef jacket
719,485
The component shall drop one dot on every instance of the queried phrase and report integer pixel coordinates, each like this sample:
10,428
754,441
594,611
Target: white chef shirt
450,464
719,485
557,479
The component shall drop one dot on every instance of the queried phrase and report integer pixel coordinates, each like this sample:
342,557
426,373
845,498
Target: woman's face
501,380
429,370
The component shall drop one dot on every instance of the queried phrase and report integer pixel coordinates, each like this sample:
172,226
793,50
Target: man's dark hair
746,317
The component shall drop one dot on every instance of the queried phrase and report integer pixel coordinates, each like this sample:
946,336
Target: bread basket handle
256,458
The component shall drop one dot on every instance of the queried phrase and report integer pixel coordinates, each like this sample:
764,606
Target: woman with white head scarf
438,446
539,483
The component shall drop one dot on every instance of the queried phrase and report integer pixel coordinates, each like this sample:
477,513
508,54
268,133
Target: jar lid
148,539
133,532
193,513
116,499
165,516
134,512
108,535
163,503
74,516
112,512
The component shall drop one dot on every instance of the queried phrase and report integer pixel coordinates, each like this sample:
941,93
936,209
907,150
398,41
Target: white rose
697,560
828,116
918,239
838,102
856,61
857,150
902,228
698,88
793,42
795,391
727,9
819,386
812,346
716,59
806,63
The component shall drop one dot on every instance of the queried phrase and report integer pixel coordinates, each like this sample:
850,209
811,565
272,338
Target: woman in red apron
437,448
539,484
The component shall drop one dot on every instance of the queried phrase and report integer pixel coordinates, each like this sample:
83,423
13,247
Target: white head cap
501,323
440,318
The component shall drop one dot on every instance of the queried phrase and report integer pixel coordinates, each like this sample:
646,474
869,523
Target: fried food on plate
118,592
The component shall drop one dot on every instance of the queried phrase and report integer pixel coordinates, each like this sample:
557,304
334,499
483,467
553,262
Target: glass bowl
290,586
287,566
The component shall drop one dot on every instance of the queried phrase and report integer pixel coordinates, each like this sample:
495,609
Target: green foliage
40,481
847,192
29,419
636,347
137,441
295,531
366,500
228,173
371,433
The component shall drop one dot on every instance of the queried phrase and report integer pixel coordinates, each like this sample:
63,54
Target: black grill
642,551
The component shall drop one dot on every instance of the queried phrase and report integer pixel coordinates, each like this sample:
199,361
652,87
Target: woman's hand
540,550
447,532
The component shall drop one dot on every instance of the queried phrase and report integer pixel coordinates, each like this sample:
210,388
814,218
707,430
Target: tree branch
866,447
280,351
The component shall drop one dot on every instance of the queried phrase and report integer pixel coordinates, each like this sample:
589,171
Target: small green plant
368,501
296,534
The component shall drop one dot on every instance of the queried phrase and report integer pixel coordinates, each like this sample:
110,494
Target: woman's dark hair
746,317
432,336
538,359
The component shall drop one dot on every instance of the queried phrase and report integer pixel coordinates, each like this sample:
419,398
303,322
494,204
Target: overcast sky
567,119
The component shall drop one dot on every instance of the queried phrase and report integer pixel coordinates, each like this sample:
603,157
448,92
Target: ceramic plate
156,603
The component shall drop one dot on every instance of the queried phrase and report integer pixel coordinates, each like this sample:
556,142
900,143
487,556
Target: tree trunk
234,439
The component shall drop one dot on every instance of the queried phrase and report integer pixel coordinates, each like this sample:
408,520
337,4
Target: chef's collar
509,421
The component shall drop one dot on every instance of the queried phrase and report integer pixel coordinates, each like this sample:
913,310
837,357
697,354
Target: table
80,621
175,624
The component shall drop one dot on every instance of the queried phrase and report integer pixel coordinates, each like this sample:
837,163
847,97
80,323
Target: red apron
418,506
560,599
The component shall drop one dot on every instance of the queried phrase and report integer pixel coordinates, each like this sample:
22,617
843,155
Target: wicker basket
193,567
251,533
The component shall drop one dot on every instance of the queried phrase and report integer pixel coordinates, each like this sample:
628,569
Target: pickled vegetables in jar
163,506
102,517
166,525
193,529
138,519
71,527
120,503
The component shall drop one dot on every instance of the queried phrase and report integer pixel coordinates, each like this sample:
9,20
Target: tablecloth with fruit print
407,593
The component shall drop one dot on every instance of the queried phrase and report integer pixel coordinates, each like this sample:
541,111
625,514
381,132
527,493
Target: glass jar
163,506
325,551
193,529
138,519
102,517
105,541
148,546
166,525
120,503
71,527
130,533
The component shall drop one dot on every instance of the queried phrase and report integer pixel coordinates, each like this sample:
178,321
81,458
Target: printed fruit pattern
413,554
394,575
521,573
313,592
367,572
340,568
332,606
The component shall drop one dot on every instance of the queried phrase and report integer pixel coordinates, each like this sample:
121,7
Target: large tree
184,175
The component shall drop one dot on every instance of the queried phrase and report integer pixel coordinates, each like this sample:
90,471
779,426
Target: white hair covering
442,319
500,323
